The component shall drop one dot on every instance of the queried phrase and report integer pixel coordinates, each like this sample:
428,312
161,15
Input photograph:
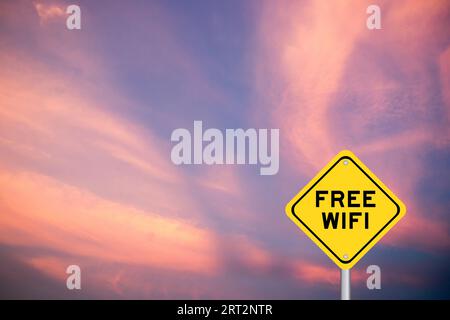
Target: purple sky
85,124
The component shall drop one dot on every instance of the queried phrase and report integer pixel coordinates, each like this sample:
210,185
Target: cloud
308,55
49,12
420,233
106,184
60,126
311,273
80,179
331,84
71,220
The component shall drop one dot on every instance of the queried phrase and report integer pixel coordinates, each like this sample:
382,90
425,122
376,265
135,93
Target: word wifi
235,146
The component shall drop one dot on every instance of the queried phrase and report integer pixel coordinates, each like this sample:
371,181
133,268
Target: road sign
345,209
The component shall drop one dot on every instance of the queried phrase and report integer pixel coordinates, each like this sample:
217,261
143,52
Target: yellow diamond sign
345,209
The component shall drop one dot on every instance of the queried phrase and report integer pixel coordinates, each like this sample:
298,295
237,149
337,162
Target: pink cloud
100,163
51,266
308,55
312,273
48,12
307,48
60,124
71,220
52,124
316,53
420,233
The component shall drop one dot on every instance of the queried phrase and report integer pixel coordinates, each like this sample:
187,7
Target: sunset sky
86,118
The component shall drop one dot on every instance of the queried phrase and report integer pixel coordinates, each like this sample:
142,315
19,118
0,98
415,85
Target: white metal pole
345,284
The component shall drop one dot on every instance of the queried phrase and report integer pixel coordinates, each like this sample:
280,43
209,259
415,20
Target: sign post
345,209
345,284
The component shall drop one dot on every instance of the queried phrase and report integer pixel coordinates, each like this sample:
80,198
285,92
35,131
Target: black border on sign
315,235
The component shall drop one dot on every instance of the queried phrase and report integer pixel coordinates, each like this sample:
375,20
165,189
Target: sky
86,118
